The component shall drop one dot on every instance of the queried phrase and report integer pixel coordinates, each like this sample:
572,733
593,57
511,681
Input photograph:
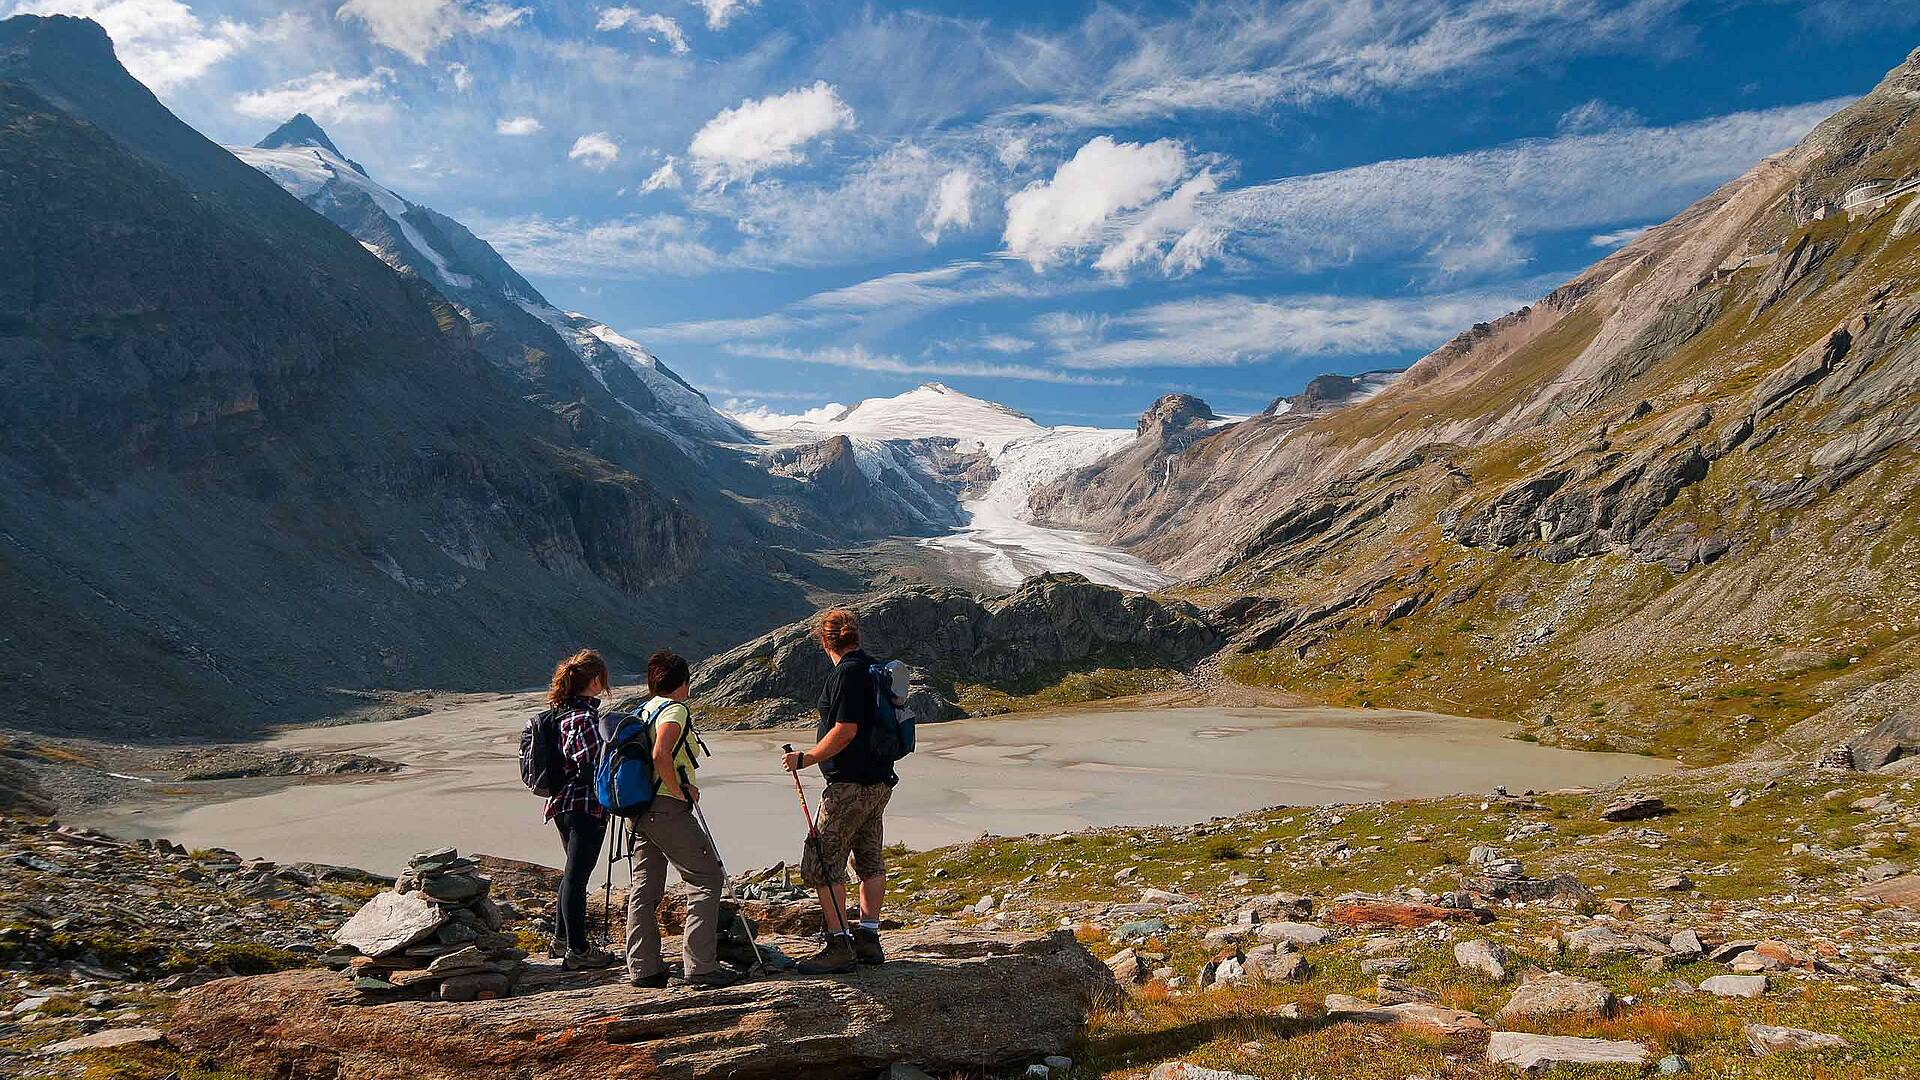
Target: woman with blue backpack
573,702
666,828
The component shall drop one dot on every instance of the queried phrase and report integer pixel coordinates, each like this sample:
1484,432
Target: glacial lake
1005,775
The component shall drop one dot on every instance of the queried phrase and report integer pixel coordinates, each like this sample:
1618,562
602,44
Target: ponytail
572,676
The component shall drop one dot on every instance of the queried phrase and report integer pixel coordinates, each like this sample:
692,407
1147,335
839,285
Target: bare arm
665,737
837,739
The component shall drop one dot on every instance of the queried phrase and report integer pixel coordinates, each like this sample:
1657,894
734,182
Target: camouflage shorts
849,824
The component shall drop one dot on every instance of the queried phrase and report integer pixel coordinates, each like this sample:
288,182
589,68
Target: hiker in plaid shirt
577,683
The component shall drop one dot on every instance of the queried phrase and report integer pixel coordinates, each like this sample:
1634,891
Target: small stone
477,986
1686,946
1056,1061
1766,1039
1672,883
1388,990
1386,965
1672,1065
984,905
390,922
1735,986
1180,1070
1142,929
1037,1072
1128,967
1482,956
1753,961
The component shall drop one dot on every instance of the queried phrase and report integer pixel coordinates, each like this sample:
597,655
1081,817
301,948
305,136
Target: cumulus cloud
1218,331
722,12
597,150
1049,219
664,178
761,134
626,249
658,28
1169,233
516,125
326,95
162,42
462,76
413,28
951,205
1596,115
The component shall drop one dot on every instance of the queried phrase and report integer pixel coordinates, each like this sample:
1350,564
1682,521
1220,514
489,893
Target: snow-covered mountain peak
929,411
304,131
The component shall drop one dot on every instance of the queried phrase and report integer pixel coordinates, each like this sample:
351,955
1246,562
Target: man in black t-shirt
859,784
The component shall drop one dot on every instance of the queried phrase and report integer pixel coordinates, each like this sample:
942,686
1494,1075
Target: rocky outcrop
1018,642
1175,420
946,1001
900,488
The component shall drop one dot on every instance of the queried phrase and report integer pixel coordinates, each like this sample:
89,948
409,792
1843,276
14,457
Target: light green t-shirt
687,749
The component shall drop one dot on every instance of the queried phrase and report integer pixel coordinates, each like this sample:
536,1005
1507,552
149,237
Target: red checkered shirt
580,745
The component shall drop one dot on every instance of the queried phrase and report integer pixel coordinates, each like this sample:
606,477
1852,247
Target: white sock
869,924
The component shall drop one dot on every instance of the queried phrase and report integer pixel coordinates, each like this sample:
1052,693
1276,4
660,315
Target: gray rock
1388,990
1634,808
1766,1039
1386,965
1530,1053
390,922
1736,986
1599,941
1141,929
475,986
1672,1065
1482,956
110,1039
1686,946
1672,883
1410,1014
462,960
1180,1070
902,1071
1550,993
1296,933
1037,1072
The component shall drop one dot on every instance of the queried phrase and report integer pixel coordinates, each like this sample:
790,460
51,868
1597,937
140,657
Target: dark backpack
893,734
542,767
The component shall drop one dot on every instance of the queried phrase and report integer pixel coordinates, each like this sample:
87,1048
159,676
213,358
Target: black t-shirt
847,698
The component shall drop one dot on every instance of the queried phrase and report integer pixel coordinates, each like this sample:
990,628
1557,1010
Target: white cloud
951,205
162,42
597,150
1169,232
413,28
1493,251
462,77
1049,219
761,418
517,125
327,95
1388,209
655,27
722,12
1596,115
708,331
757,135
858,358
664,178
1616,238
625,249
1219,331
874,205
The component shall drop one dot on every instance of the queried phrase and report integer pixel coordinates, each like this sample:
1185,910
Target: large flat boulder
945,1000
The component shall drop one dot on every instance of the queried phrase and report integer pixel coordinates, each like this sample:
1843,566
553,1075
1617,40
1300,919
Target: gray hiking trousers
669,832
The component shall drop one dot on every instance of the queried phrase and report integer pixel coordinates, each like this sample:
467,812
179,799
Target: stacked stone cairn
434,934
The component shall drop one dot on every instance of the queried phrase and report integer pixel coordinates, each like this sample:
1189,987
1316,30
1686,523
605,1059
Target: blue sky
1069,207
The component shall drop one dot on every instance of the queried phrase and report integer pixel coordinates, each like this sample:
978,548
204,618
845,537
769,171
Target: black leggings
582,833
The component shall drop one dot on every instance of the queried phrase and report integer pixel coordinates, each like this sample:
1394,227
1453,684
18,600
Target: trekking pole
819,852
725,884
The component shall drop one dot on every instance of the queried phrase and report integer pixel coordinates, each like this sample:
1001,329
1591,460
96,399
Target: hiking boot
556,949
836,959
592,958
866,946
656,981
712,980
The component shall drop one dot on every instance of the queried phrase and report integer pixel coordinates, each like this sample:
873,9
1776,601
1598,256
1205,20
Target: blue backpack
893,732
624,779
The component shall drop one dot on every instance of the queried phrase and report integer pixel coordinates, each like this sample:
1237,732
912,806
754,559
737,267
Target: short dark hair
666,672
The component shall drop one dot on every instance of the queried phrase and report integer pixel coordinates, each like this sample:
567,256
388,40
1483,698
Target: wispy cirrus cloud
414,28
859,358
626,248
327,95
654,27
1230,330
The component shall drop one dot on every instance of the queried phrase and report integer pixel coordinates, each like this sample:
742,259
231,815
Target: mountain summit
300,131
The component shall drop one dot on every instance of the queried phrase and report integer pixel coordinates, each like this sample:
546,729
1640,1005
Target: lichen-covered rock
944,1000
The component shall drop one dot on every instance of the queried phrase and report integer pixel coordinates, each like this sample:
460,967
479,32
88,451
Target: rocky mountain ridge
1670,506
